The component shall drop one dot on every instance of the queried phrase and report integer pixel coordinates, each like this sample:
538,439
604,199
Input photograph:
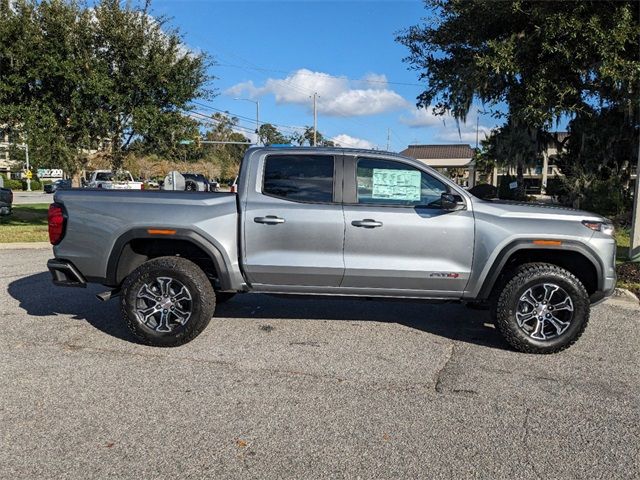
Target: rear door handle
366,223
269,220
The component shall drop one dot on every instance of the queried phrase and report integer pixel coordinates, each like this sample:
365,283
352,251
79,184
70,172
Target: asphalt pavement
306,388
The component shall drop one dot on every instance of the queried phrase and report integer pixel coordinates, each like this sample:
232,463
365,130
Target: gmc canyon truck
331,221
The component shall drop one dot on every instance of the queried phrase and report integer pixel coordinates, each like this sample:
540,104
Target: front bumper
601,295
65,274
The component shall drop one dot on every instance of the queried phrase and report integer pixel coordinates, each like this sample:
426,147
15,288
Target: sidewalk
28,198
25,246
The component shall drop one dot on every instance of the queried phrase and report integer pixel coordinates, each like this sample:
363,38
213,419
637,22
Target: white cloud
446,127
348,141
338,96
424,117
466,134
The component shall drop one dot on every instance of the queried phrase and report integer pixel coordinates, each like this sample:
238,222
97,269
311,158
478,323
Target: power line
203,105
314,74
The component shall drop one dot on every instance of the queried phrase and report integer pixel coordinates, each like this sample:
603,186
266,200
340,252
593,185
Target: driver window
385,182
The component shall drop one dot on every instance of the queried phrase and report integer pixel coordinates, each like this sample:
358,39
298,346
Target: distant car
113,181
57,185
6,199
194,182
214,185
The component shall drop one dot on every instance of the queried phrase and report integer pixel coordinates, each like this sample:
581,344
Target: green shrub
12,184
504,192
555,187
35,184
607,197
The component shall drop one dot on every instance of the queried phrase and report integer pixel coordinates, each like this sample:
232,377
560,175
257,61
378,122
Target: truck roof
325,150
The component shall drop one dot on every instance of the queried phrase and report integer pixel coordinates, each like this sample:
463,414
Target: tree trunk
520,179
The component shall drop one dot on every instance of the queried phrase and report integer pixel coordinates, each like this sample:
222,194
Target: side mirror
451,202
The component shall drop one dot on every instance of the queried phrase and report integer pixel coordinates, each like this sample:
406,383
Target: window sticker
396,184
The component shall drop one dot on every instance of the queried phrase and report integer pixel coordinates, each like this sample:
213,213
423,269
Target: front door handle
366,223
269,220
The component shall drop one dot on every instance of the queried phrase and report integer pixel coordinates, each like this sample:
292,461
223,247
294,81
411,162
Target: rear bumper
65,274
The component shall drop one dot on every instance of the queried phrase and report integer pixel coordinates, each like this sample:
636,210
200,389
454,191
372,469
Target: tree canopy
75,79
542,59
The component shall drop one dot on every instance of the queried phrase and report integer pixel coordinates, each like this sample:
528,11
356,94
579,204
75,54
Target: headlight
606,228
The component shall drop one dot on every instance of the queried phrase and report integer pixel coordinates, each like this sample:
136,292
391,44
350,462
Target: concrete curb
623,298
25,246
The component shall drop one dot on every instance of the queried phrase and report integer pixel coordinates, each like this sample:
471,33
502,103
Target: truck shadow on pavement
38,297
448,320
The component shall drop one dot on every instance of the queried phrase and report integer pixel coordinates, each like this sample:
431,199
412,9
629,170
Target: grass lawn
27,223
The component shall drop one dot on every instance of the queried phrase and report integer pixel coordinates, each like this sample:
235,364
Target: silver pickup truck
330,221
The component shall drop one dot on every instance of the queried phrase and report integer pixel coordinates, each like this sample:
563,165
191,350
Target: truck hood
514,209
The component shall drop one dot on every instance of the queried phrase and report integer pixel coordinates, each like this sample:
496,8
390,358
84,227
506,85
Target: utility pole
257,102
388,138
315,119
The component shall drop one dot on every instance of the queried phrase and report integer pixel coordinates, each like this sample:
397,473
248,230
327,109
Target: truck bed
97,220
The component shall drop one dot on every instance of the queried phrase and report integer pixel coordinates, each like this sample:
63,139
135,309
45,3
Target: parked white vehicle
113,181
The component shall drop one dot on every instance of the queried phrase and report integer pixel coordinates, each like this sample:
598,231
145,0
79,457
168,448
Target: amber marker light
555,243
159,231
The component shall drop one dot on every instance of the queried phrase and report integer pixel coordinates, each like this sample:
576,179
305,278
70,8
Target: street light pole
257,102
315,119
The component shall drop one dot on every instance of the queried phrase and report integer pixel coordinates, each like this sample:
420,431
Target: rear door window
301,178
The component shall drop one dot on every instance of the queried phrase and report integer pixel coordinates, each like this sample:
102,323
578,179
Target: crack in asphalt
388,386
440,373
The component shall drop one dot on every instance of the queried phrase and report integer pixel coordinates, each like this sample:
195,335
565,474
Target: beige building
457,161
454,159
5,161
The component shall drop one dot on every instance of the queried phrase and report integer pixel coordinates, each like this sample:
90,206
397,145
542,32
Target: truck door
397,237
293,221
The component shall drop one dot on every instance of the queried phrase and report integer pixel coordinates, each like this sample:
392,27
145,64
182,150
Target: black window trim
338,175
351,184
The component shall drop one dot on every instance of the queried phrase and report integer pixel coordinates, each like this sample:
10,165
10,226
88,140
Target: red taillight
56,223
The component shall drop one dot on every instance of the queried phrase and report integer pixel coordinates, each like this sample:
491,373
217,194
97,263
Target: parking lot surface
306,388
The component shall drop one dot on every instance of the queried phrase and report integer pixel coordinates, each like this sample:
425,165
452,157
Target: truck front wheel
542,309
167,301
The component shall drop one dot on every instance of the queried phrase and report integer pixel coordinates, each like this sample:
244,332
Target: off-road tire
521,279
203,300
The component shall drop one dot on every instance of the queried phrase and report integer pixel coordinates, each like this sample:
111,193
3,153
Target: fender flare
181,234
527,244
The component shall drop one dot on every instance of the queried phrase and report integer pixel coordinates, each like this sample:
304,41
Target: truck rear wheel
167,301
542,309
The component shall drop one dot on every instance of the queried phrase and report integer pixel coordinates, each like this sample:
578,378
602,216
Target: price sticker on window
401,185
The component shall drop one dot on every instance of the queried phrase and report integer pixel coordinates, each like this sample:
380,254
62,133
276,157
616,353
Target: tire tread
520,276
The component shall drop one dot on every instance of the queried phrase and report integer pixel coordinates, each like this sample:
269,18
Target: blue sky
281,52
